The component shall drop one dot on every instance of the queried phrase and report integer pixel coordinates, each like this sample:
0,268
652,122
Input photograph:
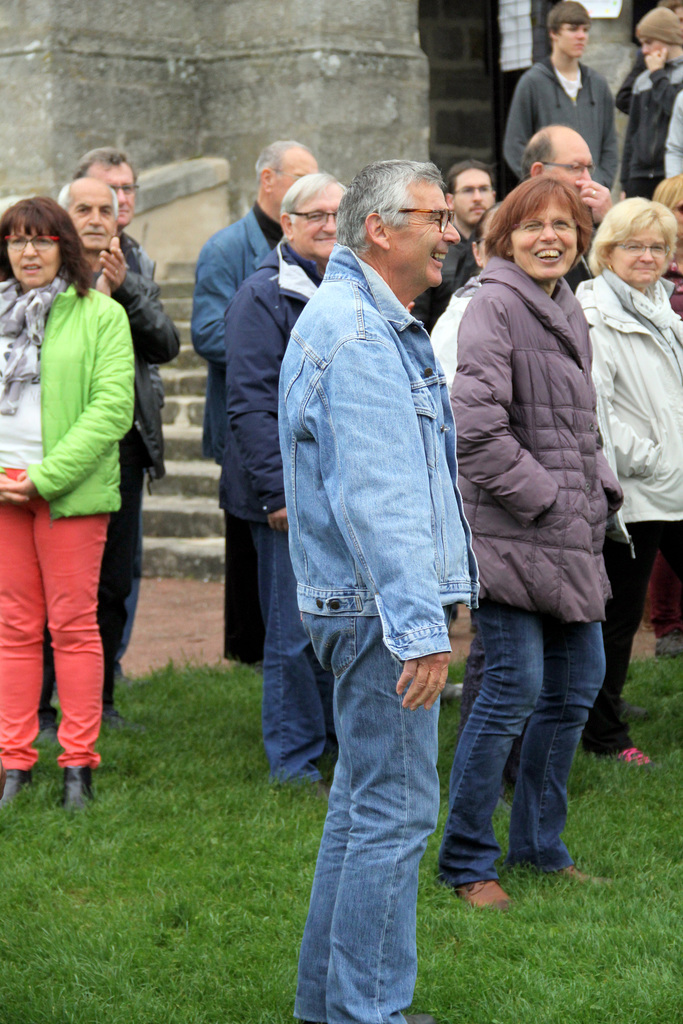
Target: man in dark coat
297,692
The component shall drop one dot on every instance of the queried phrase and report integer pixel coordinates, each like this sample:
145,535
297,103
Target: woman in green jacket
66,397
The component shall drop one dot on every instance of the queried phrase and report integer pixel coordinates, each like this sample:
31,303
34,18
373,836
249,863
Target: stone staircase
183,533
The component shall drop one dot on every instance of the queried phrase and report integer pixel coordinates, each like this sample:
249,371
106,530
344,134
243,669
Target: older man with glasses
380,549
297,693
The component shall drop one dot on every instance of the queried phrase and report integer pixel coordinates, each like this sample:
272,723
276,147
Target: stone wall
453,36
175,79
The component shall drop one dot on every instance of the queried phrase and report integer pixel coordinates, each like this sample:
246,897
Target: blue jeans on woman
548,672
358,960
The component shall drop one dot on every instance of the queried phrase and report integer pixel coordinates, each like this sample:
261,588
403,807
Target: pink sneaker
634,756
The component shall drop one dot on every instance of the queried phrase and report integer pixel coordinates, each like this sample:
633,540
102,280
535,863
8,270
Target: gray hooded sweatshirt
540,100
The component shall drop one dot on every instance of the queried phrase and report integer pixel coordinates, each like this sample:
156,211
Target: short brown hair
529,199
569,12
41,215
469,165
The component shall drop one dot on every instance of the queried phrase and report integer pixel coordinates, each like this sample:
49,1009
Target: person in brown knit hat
654,94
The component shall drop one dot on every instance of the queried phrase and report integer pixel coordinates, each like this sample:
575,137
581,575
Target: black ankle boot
15,781
77,787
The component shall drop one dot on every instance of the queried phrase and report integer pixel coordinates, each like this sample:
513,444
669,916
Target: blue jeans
358,960
549,672
297,716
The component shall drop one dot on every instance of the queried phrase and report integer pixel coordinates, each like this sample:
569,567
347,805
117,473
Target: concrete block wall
175,79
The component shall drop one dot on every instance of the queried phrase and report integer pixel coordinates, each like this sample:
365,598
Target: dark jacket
652,102
257,330
155,340
226,260
540,100
623,100
535,483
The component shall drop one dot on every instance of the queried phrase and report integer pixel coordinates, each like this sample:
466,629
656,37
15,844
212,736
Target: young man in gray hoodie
560,90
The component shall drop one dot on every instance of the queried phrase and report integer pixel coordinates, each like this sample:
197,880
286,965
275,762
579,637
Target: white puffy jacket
641,395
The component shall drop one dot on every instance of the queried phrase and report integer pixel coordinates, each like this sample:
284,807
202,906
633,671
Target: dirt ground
182,621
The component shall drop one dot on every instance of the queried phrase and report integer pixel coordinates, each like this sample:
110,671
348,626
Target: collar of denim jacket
345,265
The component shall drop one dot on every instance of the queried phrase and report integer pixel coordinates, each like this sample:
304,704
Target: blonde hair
670,191
626,220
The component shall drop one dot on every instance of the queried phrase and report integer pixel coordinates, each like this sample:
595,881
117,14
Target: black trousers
116,576
605,733
642,187
244,629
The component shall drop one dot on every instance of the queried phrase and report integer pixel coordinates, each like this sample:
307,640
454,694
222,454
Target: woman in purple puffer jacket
537,492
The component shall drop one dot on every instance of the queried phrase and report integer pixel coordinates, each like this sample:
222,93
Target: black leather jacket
155,340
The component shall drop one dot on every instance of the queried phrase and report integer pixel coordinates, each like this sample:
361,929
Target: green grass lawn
180,895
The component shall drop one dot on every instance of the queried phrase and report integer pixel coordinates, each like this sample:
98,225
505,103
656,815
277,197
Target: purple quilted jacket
536,485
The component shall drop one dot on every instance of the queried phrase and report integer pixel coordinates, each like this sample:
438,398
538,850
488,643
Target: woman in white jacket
638,371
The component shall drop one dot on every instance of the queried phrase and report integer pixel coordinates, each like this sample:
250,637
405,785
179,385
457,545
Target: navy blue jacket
257,329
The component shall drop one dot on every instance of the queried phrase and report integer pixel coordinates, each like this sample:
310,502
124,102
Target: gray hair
272,155
306,188
64,197
105,155
381,188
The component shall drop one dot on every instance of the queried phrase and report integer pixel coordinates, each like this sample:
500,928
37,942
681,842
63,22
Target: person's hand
596,197
428,677
278,520
17,492
656,60
114,267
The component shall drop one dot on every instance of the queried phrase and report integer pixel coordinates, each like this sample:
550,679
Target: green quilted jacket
86,400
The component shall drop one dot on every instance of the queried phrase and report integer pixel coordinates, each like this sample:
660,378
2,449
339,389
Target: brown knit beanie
662,25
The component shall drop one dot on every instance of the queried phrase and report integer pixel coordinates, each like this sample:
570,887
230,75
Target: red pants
666,598
54,566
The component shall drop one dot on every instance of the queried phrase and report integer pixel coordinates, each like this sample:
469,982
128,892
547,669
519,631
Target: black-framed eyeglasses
317,216
441,217
574,168
41,243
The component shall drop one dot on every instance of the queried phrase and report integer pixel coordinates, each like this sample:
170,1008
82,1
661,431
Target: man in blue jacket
229,257
381,549
297,692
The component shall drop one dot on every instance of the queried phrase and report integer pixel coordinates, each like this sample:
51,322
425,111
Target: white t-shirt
571,88
21,440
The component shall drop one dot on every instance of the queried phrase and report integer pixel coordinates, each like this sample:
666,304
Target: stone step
178,516
176,289
200,558
183,410
183,443
178,271
191,381
194,479
178,309
183,328
187,359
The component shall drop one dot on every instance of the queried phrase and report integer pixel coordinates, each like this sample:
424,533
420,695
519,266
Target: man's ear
377,231
268,176
536,169
286,225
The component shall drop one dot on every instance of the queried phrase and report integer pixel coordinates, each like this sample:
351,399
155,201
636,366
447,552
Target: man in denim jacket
381,549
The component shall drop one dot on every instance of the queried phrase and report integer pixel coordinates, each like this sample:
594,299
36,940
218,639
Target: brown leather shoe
484,894
580,876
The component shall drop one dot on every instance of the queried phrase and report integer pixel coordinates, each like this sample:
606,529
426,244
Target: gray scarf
23,316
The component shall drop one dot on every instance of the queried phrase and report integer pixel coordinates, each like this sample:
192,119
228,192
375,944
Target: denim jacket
376,524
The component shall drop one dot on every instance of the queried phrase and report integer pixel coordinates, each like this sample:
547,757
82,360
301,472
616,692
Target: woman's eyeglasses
41,243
